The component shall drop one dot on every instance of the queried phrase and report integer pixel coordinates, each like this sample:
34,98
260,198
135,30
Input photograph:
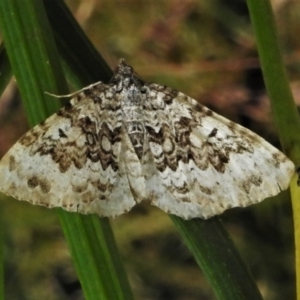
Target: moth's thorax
132,100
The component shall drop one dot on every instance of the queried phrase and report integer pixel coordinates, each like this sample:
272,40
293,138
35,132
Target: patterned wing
200,163
73,159
118,144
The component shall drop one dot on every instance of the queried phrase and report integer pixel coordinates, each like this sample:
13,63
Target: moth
114,145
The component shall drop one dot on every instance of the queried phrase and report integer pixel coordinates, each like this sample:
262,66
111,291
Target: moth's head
125,76
123,69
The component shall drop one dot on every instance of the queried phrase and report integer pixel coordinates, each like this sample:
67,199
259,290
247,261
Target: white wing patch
128,141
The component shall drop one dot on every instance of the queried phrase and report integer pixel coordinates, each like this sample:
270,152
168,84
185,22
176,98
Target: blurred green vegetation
205,49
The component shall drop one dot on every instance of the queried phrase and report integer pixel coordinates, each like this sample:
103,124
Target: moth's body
132,101
128,141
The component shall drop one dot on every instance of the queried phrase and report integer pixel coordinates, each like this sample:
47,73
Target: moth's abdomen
136,132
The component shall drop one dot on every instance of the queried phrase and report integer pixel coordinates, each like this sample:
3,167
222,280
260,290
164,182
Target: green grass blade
218,258
283,106
24,59
78,52
282,103
98,263
35,63
6,74
1,259
5,69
